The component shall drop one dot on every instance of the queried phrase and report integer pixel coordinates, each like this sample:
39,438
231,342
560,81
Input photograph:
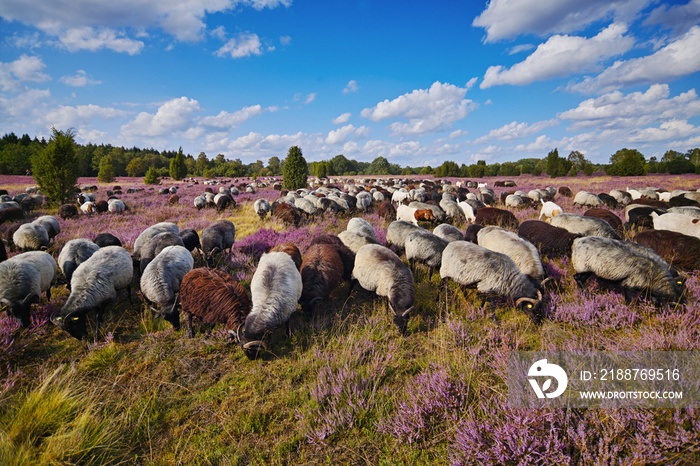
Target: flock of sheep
497,255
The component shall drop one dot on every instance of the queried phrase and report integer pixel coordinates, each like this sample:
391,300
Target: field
345,387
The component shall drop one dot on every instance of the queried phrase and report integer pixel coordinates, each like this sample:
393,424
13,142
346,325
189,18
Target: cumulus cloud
505,19
427,110
75,117
342,119
561,56
351,87
516,130
23,104
617,110
673,129
231,120
244,45
79,79
679,58
24,69
91,39
680,18
340,135
175,115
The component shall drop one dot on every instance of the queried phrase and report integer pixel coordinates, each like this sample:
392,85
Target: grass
344,388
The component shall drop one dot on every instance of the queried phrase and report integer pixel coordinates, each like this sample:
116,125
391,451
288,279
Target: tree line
108,162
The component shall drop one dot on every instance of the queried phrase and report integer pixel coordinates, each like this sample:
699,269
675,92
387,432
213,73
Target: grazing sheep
101,207
305,206
321,273
608,200
95,283
680,223
364,201
565,191
617,262
107,239
20,287
50,224
161,279
514,201
424,247
586,226
448,232
149,233
346,255
11,214
200,202
361,225
413,214
174,199
261,208
116,206
438,215
223,201
378,269
679,250
608,216
397,232
521,251
472,231
354,240
622,197
292,250
549,240
74,253
452,210
275,291
151,248
494,216
213,296
190,239
493,274
549,210
586,199
637,215
31,237
88,207
686,210
288,214
217,238
67,211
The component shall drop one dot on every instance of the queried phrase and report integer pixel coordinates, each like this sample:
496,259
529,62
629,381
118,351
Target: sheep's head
20,309
250,336
532,307
401,318
170,312
74,323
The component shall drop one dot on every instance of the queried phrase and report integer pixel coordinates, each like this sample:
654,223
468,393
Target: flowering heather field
345,387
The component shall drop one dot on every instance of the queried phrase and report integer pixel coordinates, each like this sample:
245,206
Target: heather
343,387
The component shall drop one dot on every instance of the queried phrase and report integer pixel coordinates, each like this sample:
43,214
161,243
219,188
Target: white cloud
87,38
244,45
79,79
427,110
679,58
24,69
79,116
310,98
342,119
561,56
90,135
231,120
673,129
285,40
541,144
520,48
173,116
23,104
515,130
680,18
505,19
340,135
351,87
634,110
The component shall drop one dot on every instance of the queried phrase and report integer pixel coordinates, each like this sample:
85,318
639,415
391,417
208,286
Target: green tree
178,169
322,169
379,166
201,164
55,168
106,173
339,165
478,170
295,169
151,176
678,162
448,168
627,162
553,164
274,165
136,167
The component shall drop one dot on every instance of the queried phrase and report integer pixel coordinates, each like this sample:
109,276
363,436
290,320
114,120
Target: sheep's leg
97,325
189,322
353,282
48,294
581,279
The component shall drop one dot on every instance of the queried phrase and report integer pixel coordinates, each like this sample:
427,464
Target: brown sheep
67,211
321,273
292,250
346,255
213,296
101,207
549,240
608,216
174,199
11,214
565,191
3,251
679,250
386,210
287,214
494,216
424,215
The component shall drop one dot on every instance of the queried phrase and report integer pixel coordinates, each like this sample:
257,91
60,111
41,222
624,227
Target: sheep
50,224
364,200
565,191
190,239
494,216
550,241
448,232
22,280
217,238
608,200
471,232
686,210
346,255
680,223
452,210
223,201
88,207
493,274
425,247
615,261
679,250
412,214
292,250
275,289
584,198
361,225
94,283
354,240
386,210
608,216
200,202
622,197
31,237
101,207
637,215
151,248
74,253
213,296
67,211
107,239
438,215
521,251
397,231
378,269
549,210
514,201
261,208
149,233
116,206
11,214
586,226
161,279
321,273
305,206
288,214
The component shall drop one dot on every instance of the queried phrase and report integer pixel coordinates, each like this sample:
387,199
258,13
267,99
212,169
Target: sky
414,81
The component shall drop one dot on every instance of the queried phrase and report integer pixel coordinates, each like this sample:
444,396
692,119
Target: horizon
495,81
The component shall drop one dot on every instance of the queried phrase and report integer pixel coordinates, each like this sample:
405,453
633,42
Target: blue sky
414,81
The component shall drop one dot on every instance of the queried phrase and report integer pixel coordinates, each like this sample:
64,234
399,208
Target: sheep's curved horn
525,300
545,281
407,311
539,295
255,344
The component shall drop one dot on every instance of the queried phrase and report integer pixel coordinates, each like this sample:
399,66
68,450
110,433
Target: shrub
295,170
55,168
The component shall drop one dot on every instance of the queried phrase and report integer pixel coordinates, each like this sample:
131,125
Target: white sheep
550,209
448,232
680,223
22,280
50,224
587,226
31,237
425,247
362,226
261,208
74,253
116,206
149,233
521,251
584,198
